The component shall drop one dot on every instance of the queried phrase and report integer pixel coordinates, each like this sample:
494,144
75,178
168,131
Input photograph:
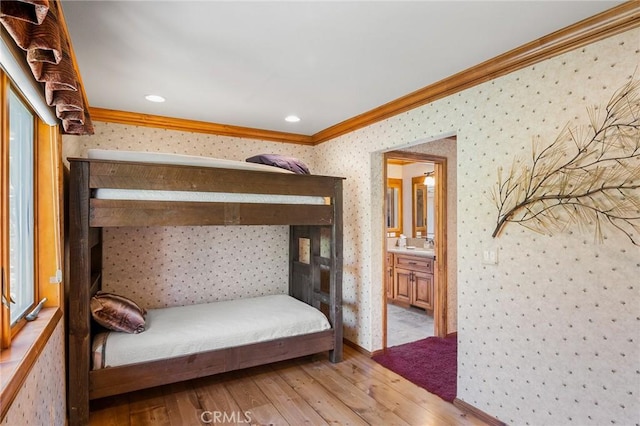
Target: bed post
335,281
77,307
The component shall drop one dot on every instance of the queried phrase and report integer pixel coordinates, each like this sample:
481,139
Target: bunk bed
313,279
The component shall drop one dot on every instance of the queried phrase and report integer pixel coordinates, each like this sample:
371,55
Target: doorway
415,285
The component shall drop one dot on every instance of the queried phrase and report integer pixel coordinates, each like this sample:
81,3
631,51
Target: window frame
26,340
48,210
7,330
15,328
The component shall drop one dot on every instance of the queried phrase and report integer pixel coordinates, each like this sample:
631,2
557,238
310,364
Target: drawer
423,264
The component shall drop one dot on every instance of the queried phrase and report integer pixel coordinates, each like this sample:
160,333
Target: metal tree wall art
589,176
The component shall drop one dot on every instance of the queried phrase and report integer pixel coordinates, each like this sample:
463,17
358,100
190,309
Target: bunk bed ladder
316,279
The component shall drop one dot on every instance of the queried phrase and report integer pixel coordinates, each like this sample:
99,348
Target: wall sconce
429,179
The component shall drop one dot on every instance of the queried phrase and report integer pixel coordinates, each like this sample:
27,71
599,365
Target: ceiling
251,64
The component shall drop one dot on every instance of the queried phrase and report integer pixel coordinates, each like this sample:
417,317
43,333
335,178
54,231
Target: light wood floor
310,390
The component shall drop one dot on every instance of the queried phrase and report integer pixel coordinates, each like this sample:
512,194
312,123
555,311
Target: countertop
418,251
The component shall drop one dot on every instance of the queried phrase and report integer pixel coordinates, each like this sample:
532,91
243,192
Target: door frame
440,273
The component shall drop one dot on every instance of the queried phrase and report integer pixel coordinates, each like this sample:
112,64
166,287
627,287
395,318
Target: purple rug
430,363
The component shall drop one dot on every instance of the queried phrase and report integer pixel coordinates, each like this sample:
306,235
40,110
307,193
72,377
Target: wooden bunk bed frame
317,283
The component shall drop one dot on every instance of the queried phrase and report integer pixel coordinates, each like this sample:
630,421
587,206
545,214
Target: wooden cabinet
403,280
422,295
388,279
413,281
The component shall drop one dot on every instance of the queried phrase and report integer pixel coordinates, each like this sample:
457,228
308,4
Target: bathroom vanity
409,278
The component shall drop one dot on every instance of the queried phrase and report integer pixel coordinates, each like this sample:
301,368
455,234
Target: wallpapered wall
169,266
549,335
41,400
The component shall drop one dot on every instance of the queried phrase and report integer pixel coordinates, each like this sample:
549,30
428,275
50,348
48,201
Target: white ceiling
252,63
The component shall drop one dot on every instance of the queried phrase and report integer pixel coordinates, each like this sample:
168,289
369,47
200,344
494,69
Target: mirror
419,207
393,206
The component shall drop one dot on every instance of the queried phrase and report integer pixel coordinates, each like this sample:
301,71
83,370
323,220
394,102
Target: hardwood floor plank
148,408
368,408
215,398
400,404
112,411
440,408
254,402
309,390
330,407
183,404
288,402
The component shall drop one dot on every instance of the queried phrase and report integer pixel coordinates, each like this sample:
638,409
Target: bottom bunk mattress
184,330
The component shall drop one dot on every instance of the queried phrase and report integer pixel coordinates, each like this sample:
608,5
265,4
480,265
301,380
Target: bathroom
410,213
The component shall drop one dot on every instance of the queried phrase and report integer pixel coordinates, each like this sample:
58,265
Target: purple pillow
282,161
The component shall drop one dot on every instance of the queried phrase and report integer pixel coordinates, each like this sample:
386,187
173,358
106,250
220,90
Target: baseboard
359,348
488,419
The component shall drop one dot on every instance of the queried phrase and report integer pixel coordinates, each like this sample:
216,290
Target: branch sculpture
589,176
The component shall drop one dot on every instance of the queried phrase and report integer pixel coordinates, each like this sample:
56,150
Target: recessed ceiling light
292,118
154,98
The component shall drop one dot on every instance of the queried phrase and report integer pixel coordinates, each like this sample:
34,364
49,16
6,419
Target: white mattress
183,330
187,160
192,160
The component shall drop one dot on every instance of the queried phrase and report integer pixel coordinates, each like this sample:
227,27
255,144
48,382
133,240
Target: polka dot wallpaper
175,266
169,266
549,335
41,400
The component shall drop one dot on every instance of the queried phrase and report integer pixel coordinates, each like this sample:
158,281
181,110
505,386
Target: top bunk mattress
183,330
192,196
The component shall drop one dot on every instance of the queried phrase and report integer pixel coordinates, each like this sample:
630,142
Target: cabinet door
403,282
388,279
422,292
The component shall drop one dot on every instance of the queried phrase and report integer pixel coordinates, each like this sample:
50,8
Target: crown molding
606,24
598,27
181,124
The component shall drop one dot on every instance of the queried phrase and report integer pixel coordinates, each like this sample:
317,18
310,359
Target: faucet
429,243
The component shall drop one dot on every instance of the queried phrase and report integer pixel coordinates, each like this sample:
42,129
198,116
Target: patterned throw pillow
117,313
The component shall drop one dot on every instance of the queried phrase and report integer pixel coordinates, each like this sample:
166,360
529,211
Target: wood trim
397,184
48,213
5,316
417,183
359,348
606,24
17,361
488,419
598,27
440,275
181,124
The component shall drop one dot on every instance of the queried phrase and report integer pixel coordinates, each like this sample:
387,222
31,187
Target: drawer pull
413,263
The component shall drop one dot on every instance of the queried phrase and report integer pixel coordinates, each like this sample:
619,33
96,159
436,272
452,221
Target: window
21,280
30,232
30,200
19,286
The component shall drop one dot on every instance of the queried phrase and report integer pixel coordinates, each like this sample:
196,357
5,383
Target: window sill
16,362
